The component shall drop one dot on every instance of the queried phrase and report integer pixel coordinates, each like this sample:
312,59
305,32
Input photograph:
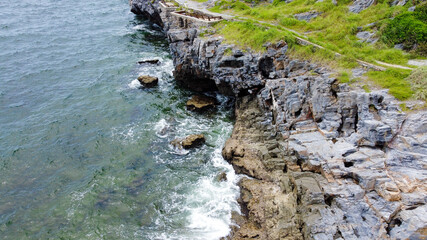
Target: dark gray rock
326,161
360,5
307,16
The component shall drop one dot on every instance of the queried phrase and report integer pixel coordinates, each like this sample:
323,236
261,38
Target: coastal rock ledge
325,161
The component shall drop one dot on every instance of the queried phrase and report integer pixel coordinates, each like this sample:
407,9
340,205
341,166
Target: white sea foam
161,128
134,84
210,204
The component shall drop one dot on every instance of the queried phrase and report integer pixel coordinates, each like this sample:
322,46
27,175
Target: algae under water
84,152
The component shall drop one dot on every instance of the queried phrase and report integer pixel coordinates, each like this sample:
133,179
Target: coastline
325,161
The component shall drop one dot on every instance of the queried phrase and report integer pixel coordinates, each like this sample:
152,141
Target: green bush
421,12
409,28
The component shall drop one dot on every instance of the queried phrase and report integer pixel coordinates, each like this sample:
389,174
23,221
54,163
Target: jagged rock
190,141
413,220
399,2
358,72
366,36
360,5
307,16
326,161
200,103
148,81
399,46
148,9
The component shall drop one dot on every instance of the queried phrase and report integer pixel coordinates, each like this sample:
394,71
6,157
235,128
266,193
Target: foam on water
84,147
161,128
134,84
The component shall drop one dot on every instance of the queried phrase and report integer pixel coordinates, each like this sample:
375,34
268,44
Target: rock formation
148,81
325,161
200,103
190,141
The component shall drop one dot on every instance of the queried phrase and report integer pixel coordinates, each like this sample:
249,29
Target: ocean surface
84,151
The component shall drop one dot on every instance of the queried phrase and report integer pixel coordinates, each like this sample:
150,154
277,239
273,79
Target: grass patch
366,88
343,77
418,81
250,35
394,80
335,28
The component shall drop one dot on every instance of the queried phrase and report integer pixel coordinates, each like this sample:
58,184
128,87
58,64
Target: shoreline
325,161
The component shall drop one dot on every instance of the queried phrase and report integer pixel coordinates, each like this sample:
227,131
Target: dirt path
394,65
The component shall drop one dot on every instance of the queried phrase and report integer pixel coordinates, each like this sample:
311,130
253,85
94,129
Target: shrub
409,28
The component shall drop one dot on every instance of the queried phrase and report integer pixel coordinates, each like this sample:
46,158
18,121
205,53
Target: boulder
367,36
360,5
200,103
190,141
307,16
148,81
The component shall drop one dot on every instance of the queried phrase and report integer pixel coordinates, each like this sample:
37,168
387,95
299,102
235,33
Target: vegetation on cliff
370,35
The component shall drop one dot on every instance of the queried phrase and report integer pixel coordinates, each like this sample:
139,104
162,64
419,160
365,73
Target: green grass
250,35
343,77
418,81
394,80
335,29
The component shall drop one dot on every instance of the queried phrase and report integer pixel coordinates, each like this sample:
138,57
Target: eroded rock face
307,185
190,141
148,81
149,9
325,161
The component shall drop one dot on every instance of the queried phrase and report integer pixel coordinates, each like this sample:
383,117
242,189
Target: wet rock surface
325,161
190,141
200,103
149,61
148,81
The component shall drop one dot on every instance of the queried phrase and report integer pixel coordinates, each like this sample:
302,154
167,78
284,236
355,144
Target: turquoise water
84,152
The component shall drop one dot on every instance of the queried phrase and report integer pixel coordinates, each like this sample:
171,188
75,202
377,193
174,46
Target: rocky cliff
325,161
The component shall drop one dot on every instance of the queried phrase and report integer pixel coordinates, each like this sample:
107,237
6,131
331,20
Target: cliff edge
325,161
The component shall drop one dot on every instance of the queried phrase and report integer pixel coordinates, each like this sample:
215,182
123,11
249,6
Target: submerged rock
148,81
200,103
190,141
222,177
149,61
